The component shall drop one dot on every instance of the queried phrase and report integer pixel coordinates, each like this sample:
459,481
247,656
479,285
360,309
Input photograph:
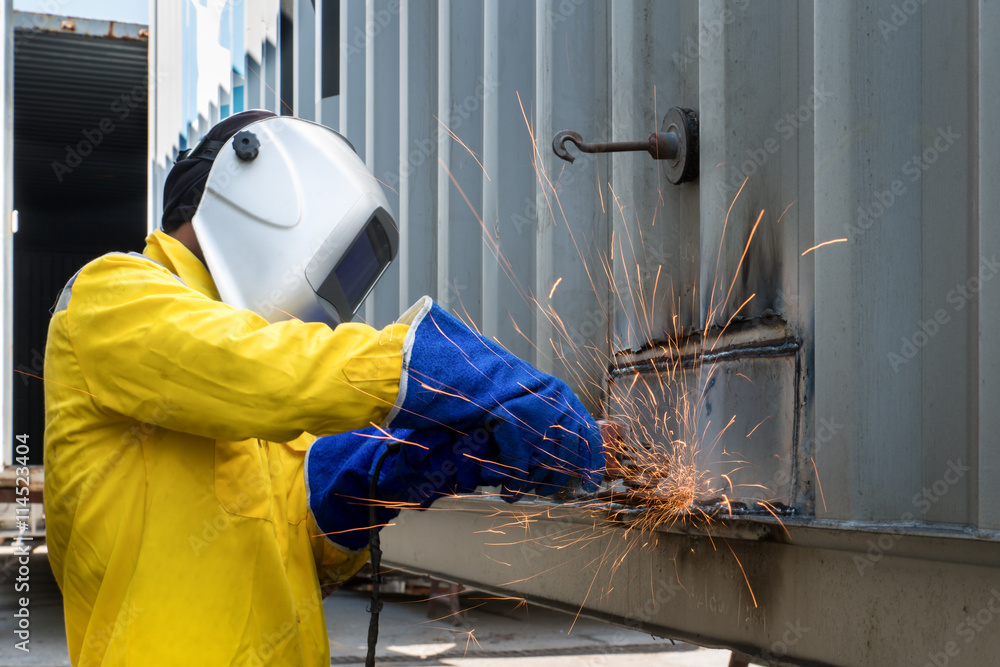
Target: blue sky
129,11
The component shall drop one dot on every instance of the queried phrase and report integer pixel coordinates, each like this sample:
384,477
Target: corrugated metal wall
908,173
869,365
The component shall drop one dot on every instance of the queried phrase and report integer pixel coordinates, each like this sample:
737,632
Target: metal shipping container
852,385
74,187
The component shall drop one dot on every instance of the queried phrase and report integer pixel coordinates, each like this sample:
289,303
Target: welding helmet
292,223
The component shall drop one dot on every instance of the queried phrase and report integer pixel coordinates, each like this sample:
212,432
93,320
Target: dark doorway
80,155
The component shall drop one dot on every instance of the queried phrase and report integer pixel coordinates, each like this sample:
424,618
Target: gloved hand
428,464
454,377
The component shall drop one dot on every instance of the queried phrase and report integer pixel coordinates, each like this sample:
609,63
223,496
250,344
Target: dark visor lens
360,267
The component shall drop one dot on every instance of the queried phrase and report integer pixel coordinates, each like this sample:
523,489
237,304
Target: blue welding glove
429,464
454,377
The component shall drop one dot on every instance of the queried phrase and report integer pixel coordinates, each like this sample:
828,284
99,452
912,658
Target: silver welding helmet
293,224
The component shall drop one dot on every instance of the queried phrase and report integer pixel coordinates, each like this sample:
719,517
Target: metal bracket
676,143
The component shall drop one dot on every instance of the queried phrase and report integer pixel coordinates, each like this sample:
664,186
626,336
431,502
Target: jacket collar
172,254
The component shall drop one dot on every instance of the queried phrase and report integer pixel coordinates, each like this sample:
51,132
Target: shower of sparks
675,465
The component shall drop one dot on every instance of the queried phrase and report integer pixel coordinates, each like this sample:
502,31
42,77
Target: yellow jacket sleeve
334,565
158,351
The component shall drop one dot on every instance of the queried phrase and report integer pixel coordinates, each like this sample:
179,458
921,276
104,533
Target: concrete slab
493,632
700,658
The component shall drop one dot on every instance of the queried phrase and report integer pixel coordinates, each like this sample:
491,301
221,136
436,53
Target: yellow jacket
176,431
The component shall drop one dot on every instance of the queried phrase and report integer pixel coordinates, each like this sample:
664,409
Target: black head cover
186,181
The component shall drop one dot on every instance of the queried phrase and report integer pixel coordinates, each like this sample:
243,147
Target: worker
193,517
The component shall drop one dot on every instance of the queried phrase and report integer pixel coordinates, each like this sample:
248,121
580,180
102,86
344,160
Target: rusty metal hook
676,143
660,145
559,141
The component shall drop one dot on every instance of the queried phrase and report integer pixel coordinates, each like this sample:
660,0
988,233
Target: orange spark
462,143
497,561
818,483
284,312
554,286
39,377
822,244
758,425
749,587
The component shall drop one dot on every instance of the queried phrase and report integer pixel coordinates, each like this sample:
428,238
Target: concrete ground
494,633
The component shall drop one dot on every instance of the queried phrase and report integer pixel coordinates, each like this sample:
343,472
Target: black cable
376,554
